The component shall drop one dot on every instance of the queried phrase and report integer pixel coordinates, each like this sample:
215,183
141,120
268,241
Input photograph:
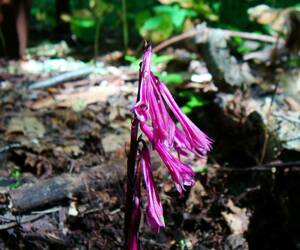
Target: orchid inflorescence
166,138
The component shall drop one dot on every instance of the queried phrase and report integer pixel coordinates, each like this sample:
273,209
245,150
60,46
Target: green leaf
15,185
243,49
15,172
157,28
201,169
163,9
83,26
156,59
134,62
153,23
176,13
178,19
171,78
186,93
131,59
196,101
186,109
141,18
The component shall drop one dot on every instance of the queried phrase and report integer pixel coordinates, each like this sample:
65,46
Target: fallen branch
196,31
50,191
55,80
23,220
175,39
295,165
291,119
10,147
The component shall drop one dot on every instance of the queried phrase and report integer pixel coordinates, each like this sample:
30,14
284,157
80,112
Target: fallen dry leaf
237,220
195,196
27,125
88,96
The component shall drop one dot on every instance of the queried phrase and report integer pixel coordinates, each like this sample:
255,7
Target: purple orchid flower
166,138
151,108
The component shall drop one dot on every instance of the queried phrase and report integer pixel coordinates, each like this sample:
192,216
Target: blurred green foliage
149,19
15,173
157,61
154,20
43,13
233,14
162,21
191,101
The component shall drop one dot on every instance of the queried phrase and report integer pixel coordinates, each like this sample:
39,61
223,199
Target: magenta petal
163,125
196,138
181,173
181,144
141,108
151,105
154,211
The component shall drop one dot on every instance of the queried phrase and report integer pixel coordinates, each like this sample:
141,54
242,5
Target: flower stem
131,163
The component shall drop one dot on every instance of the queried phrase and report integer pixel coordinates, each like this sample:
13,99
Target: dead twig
295,165
23,220
194,32
55,80
266,132
10,147
286,117
65,186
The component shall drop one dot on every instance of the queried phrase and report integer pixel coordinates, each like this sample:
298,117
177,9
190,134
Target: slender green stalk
97,37
125,26
2,41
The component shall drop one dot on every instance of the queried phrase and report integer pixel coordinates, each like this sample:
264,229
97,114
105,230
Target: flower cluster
166,138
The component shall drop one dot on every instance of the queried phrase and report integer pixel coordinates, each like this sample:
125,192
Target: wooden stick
194,32
294,165
251,36
50,191
23,220
62,78
175,39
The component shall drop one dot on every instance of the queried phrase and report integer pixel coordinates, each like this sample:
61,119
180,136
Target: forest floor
78,124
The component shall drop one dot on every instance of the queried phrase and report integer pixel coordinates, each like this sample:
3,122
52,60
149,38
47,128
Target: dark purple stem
131,163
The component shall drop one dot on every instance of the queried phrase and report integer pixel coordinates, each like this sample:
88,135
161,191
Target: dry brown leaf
195,196
292,103
88,96
27,125
237,220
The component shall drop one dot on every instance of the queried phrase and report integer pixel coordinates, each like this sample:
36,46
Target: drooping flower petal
181,173
198,140
162,124
154,210
181,144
